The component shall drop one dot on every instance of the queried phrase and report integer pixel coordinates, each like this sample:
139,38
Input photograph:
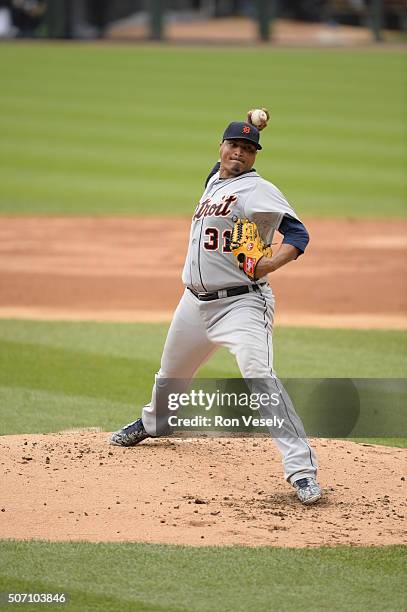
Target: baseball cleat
129,435
308,490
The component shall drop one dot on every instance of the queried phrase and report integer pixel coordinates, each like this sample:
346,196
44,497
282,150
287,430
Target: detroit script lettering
209,209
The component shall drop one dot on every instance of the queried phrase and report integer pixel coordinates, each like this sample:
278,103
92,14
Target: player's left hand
248,247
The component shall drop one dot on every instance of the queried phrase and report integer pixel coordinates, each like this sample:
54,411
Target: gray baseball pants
243,324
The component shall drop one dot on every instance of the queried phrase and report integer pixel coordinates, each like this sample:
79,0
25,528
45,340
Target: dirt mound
218,491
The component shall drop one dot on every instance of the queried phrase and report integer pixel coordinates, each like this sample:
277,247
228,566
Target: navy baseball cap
239,130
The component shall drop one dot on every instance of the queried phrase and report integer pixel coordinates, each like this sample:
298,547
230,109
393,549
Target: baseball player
227,299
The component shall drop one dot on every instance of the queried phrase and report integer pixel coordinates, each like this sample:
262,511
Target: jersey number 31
212,239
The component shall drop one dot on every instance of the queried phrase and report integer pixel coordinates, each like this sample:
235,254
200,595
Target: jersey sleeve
267,206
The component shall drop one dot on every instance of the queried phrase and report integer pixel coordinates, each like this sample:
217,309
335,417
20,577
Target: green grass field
56,375
103,130
91,129
151,578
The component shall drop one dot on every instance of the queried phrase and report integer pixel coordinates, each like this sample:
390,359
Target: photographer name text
221,421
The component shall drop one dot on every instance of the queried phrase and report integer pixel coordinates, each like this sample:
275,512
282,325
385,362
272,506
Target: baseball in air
259,117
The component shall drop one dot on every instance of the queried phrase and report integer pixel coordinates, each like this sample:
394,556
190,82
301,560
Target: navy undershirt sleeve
212,172
294,233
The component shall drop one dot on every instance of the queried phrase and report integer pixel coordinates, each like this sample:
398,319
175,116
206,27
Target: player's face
236,156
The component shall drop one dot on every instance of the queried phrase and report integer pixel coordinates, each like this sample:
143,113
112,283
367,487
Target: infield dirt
219,491
354,273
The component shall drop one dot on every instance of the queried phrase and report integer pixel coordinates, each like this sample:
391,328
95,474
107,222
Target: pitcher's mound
215,491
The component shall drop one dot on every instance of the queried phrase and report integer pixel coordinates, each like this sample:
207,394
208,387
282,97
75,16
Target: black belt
223,293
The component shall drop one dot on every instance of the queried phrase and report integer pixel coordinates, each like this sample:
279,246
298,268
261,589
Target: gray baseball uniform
243,323
209,263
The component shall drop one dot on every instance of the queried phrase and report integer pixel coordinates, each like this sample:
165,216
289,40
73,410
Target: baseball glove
248,247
